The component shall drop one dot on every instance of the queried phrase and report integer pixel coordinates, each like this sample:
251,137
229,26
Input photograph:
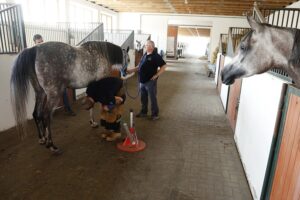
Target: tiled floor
190,151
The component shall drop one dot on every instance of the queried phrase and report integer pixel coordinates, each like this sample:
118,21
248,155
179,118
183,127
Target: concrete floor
190,151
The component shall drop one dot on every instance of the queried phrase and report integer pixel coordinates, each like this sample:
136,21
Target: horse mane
109,51
295,56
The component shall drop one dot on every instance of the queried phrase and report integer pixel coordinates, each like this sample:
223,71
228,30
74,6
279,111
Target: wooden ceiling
205,7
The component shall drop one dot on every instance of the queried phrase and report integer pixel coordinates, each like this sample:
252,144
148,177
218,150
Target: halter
123,70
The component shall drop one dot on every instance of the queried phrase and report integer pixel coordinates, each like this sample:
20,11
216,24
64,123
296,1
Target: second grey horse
263,48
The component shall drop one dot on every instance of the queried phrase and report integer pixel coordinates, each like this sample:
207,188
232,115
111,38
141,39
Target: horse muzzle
228,74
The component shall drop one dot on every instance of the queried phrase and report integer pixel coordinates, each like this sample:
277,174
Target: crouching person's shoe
113,136
105,134
94,124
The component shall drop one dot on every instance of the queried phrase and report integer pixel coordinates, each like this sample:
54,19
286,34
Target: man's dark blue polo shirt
149,65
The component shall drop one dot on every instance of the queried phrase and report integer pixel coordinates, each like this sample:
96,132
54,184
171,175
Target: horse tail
22,71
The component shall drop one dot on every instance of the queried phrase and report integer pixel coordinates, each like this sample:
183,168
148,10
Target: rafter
207,7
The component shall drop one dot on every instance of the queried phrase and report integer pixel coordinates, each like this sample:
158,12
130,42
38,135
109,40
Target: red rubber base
131,148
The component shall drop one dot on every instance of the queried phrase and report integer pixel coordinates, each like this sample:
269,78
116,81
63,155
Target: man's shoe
71,113
141,115
113,136
153,118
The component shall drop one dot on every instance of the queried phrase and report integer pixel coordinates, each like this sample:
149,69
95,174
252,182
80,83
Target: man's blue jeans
66,101
149,89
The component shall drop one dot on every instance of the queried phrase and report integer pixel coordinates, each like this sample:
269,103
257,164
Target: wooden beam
214,7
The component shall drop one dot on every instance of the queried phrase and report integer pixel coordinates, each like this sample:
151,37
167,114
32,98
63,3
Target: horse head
255,54
126,61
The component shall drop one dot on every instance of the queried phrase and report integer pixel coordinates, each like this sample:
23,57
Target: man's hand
119,100
105,107
131,70
154,77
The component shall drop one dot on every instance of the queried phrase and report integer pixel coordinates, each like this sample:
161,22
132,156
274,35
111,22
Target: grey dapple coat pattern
50,68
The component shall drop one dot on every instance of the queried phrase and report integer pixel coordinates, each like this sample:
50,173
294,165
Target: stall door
233,102
286,182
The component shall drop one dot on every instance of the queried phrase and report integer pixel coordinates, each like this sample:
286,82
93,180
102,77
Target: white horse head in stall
263,48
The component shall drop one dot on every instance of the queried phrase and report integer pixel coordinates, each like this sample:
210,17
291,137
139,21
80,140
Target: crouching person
110,93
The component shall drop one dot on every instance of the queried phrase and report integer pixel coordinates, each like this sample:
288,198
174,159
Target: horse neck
287,43
282,40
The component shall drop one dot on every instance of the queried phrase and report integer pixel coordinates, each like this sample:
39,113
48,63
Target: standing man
148,75
37,39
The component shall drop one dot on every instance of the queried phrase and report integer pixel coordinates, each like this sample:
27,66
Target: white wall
294,5
6,115
225,88
258,111
217,67
46,11
194,46
157,24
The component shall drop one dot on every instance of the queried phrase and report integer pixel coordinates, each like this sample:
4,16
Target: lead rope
127,92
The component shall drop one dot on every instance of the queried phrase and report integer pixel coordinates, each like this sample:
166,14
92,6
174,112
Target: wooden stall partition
233,102
172,41
286,181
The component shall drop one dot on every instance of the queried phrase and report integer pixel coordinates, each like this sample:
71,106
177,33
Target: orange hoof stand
128,147
131,142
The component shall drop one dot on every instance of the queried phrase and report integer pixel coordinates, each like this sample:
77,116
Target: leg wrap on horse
114,126
111,120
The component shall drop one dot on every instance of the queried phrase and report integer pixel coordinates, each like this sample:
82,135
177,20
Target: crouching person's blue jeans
149,89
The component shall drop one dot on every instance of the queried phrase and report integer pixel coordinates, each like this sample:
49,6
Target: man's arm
131,70
159,72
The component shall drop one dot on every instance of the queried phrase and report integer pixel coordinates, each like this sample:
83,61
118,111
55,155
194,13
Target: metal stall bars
70,33
12,32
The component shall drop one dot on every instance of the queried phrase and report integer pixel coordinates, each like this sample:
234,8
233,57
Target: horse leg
38,113
52,101
92,120
38,116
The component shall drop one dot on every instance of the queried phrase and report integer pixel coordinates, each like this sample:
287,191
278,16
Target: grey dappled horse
263,48
51,67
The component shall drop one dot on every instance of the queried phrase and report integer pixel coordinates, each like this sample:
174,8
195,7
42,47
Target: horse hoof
42,141
56,151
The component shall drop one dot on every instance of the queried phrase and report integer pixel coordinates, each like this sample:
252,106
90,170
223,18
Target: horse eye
242,47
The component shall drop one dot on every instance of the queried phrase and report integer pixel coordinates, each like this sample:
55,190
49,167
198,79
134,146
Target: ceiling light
186,2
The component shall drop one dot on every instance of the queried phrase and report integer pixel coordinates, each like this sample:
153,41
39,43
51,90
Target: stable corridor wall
6,114
157,25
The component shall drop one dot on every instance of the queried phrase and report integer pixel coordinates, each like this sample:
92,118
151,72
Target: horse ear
127,49
255,26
